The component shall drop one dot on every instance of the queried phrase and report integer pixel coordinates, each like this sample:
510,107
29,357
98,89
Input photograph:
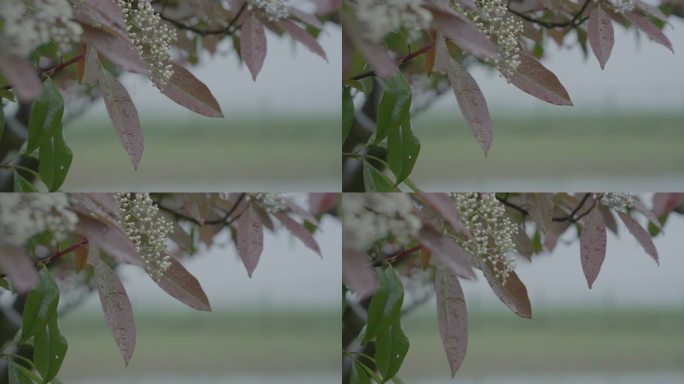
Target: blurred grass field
547,149
292,153
571,342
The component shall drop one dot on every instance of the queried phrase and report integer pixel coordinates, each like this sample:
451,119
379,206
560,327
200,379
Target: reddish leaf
447,253
21,75
646,26
17,265
115,48
533,78
303,37
183,286
308,18
322,202
299,231
665,202
250,239
186,90
452,317
600,31
445,207
464,33
117,309
376,55
593,245
651,10
512,292
253,44
553,233
541,209
469,96
109,239
640,234
649,214
358,273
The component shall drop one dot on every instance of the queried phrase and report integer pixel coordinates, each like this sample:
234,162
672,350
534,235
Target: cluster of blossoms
380,17
24,215
273,10
368,218
271,202
151,37
494,20
618,201
29,24
491,234
623,6
147,229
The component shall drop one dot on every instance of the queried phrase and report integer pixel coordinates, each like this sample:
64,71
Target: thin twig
403,61
228,30
574,22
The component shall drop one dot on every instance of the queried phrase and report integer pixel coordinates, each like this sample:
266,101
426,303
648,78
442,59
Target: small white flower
619,201
273,10
24,215
381,17
271,202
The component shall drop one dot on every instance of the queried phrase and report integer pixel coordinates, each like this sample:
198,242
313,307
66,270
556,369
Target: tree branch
573,23
228,30
401,62
572,217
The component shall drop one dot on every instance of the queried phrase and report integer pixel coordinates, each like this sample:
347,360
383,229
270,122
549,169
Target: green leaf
391,348
2,120
55,160
41,305
23,185
358,374
395,106
347,112
385,306
49,349
402,151
375,181
18,374
46,117
7,94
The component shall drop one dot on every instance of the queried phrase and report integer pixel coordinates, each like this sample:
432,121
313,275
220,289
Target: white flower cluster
619,201
151,37
494,20
380,17
147,229
273,10
491,234
271,202
24,215
623,6
370,217
28,24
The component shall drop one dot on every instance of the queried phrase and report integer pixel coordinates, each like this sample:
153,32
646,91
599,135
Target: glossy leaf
451,317
447,253
512,292
253,44
250,239
41,305
375,181
184,287
533,78
18,374
188,91
304,37
600,32
445,207
646,26
55,161
403,148
46,117
23,185
391,347
395,106
385,306
117,309
593,245
358,374
640,234
299,231
49,349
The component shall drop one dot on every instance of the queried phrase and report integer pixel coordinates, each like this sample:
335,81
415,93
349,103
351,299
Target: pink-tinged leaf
109,239
541,209
301,212
445,207
512,292
115,48
22,76
533,78
376,55
303,37
306,17
17,265
651,10
640,234
648,213
186,90
600,32
326,7
593,245
553,233
665,202
103,14
465,34
299,231
322,202
452,317
253,44
447,253
608,218
358,273
184,287
117,309
123,115
646,26
250,239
